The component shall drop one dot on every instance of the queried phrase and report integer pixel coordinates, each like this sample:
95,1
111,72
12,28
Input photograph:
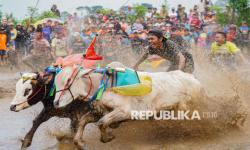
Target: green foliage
36,16
94,9
104,11
242,9
46,14
11,18
140,11
1,12
235,12
131,18
32,11
221,16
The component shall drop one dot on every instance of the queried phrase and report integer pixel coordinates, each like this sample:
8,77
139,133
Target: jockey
180,59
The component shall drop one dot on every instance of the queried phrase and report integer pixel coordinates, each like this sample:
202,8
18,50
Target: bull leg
73,126
85,119
115,116
42,117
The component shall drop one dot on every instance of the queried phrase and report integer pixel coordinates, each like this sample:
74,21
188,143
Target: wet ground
130,136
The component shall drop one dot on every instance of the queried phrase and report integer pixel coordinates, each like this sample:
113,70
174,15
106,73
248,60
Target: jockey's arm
144,57
181,61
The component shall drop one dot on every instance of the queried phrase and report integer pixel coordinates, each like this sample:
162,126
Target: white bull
170,90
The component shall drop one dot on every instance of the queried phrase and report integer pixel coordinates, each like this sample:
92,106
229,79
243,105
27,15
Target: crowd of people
178,29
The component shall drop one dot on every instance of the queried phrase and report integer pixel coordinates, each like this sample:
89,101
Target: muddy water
132,135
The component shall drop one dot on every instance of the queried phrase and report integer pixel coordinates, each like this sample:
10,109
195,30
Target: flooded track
131,135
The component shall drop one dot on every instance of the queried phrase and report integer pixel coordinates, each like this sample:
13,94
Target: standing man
40,56
3,46
6,28
47,31
59,45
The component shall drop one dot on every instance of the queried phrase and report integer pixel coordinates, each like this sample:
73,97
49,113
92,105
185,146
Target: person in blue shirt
244,30
47,31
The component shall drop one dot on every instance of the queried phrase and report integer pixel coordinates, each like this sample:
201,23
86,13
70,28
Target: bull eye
26,92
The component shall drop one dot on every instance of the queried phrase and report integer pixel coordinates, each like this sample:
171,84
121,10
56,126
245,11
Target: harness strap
32,96
90,89
35,94
66,87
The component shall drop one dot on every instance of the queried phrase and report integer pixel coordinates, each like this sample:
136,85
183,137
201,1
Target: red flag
90,52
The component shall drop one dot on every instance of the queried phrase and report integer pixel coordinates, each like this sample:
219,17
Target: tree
83,10
140,10
46,14
64,15
147,5
88,9
222,16
104,11
232,11
32,11
240,10
1,14
95,8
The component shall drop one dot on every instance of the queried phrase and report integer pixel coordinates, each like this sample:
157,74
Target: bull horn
21,74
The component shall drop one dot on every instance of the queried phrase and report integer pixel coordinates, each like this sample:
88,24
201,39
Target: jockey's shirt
170,51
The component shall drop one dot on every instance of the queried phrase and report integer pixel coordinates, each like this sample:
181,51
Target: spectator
244,30
173,13
55,10
47,31
13,33
137,26
6,28
3,46
40,53
20,40
195,22
117,26
163,11
59,46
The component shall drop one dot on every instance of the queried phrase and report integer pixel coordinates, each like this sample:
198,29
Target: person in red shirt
231,35
195,22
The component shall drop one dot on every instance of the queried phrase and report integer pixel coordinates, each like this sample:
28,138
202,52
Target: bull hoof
80,144
107,138
25,143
